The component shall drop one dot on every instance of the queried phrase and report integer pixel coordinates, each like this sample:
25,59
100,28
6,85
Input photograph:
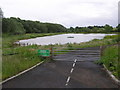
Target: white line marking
68,79
75,60
73,64
71,70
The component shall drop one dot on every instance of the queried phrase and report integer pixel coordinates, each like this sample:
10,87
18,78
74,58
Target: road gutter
21,73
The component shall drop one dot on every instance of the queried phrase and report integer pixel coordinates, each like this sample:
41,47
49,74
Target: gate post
102,49
51,52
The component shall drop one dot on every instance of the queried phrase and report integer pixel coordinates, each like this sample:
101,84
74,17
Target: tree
118,28
11,26
108,28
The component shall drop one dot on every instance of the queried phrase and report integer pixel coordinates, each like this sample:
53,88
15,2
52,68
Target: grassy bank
17,58
110,59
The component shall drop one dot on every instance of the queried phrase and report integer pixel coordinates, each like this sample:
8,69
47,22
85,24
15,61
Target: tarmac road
75,69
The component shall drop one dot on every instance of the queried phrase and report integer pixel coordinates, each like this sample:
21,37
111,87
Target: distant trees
118,28
17,26
11,25
108,28
55,28
94,29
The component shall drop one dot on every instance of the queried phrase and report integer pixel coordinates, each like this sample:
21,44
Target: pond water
62,39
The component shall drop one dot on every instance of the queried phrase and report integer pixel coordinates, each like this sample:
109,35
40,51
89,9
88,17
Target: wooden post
101,50
51,52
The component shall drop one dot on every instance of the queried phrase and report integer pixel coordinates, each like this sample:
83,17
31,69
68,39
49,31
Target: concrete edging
111,75
21,73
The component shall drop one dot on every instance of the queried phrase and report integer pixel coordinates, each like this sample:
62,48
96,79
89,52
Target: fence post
101,50
51,52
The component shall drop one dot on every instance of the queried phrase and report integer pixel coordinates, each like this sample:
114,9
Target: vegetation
110,55
93,29
111,59
17,26
16,58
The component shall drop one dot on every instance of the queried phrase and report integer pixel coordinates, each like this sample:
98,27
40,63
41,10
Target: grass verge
16,58
110,59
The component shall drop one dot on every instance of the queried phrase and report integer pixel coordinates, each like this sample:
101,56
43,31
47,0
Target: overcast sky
66,12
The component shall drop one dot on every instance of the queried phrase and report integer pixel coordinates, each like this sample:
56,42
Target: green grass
111,60
12,64
23,57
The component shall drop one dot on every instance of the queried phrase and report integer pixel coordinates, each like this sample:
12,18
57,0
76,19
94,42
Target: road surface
75,69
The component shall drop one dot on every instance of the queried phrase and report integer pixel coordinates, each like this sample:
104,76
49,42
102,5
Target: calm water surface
63,39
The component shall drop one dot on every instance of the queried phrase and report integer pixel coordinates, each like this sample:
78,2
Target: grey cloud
66,12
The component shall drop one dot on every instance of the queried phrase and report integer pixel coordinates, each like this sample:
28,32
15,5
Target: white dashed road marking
75,60
71,70
73,64
68,79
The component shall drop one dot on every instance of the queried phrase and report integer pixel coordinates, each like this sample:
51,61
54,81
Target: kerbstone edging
21,73
112,76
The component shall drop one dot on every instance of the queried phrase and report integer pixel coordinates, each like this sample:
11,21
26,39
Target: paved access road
75,69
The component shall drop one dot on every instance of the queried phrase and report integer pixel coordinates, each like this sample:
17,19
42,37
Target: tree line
94,29
14,25
17,26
